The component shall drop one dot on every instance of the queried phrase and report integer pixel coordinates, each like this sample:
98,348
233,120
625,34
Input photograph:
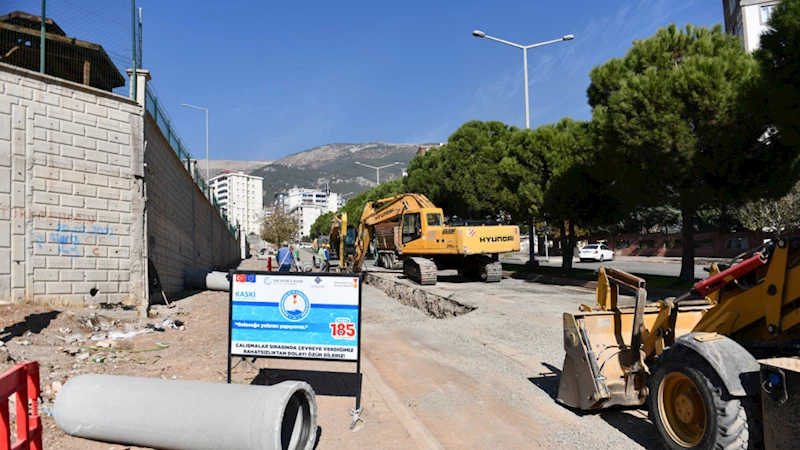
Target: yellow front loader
702,361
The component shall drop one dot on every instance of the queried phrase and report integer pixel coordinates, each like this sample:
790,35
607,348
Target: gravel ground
488,379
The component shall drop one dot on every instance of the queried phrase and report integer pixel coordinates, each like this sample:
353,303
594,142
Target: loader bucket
595,367
600,370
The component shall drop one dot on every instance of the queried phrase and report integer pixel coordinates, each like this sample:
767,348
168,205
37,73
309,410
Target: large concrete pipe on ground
172,414
201,279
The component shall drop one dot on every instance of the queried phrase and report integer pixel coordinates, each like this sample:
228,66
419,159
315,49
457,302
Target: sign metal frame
232,274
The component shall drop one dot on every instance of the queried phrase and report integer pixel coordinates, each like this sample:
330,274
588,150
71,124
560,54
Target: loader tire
691,408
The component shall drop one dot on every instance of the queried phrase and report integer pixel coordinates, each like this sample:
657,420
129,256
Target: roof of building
68,58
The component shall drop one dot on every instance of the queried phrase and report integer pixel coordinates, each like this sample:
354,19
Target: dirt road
486,379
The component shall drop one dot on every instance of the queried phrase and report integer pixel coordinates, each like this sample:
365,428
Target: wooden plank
87,71
52,37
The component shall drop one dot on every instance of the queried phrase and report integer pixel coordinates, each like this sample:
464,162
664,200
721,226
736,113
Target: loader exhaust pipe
171,414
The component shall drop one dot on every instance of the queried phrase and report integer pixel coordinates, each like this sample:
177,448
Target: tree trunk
687,236
568,246
531,241
566,253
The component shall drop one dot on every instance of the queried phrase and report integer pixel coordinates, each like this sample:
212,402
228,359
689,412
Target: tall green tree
780,62
671,117
552,166
463,177
321,226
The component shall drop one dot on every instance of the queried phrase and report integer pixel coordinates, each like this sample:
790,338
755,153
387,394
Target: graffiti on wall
18,212
70,236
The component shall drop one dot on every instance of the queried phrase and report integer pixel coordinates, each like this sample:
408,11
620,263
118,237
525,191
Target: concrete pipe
214,281
170,414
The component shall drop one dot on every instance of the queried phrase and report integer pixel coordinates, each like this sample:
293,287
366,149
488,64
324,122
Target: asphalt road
634,267
638,267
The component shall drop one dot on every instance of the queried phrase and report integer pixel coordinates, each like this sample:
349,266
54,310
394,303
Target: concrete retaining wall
184,231
71,194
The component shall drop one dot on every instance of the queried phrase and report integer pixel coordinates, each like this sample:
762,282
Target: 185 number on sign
343,329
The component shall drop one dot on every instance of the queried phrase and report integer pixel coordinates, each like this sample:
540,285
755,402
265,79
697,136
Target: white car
596,252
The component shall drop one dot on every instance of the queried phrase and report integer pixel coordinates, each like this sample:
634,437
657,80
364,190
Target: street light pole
206,110
378,169
481,34
569,37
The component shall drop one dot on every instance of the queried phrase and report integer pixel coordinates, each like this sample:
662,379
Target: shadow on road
336,384
34,323
548,382
631,422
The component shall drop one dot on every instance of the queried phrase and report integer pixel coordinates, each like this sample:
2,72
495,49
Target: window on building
731,6
737,28
766,13
704,243
736,244
644,244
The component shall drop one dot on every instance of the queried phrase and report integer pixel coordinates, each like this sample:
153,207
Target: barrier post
22,381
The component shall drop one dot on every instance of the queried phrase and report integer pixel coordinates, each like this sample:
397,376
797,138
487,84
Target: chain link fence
91,42
94,43
156,109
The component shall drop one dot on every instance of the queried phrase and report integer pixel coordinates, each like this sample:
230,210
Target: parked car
264,253
596,252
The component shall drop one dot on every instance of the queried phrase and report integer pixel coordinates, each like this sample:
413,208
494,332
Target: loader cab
416,223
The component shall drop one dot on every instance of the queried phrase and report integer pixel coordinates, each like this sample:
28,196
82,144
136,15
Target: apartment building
748,20
241,197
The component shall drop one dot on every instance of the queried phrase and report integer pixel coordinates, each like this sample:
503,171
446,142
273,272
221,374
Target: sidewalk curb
421,435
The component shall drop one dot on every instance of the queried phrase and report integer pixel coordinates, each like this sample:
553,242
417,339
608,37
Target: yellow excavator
414,233
719,366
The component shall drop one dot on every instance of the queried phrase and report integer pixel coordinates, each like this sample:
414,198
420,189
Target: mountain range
331,164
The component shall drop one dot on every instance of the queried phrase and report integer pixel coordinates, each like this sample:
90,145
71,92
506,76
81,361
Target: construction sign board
295,315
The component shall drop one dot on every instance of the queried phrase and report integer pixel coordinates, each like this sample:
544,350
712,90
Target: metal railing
159,114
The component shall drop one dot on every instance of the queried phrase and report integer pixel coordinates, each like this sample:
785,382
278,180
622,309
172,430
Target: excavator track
494,272
420,270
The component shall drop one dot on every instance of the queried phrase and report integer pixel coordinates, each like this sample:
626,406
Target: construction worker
285,258
324,256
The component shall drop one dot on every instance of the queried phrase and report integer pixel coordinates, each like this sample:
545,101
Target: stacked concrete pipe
173,414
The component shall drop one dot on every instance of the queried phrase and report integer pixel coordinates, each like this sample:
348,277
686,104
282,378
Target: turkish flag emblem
240,278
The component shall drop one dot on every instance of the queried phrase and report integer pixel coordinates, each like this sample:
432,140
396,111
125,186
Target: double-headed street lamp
481,34
378,169
206,110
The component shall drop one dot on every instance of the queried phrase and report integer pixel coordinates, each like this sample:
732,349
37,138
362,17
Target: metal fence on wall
159,114
91,42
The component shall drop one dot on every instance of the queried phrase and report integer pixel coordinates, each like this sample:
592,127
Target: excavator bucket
604,364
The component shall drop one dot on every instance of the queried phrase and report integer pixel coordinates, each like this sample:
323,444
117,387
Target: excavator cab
412,227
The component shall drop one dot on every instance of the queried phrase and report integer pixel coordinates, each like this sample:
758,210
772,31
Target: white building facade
306,215
325,199
242,198
748,20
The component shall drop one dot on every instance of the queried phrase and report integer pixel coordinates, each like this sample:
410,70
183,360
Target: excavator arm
379,211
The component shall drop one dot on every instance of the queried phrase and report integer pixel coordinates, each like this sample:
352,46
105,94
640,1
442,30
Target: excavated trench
431,304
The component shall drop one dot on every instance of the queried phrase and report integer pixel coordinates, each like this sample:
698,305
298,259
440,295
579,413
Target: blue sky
280,77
